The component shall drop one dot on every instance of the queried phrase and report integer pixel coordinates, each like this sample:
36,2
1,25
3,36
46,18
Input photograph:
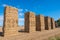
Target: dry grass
54,38
43,35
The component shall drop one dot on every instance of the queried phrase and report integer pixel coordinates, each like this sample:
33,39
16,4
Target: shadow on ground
1,34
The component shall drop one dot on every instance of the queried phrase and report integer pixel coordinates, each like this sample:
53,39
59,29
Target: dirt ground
38,35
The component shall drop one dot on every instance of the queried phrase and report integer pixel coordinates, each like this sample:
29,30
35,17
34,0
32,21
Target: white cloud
26,9
20,10
21,19
1,18
7,5
21,14
4,5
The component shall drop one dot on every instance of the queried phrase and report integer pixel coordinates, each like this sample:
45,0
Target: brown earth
43,35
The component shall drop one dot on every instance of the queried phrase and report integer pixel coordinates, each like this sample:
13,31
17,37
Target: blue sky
45,7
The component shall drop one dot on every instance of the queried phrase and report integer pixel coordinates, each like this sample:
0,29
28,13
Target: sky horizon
45,7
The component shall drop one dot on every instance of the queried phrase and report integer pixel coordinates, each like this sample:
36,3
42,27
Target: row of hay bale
32,22
38,22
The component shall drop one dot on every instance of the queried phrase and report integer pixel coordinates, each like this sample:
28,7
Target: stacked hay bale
30,22
10,26
52,23
47,23
40,25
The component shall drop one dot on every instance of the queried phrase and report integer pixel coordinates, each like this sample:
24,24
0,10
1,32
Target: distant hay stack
47,23
52,23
